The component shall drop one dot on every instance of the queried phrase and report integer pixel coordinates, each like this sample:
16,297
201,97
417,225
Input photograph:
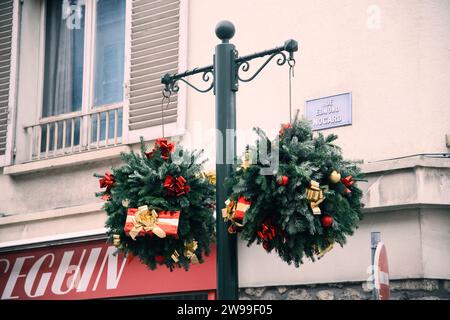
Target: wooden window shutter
8,31
154,50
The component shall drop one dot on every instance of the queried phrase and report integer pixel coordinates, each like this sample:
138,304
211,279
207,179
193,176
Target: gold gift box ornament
315,196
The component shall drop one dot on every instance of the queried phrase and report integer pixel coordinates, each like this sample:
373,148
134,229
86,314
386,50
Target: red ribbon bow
176,187
107,182
284,127
267,234
165,146
347,181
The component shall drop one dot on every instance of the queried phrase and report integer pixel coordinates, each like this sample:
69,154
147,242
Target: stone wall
418,289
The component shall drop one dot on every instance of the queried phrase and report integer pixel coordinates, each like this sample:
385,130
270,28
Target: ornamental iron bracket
242,64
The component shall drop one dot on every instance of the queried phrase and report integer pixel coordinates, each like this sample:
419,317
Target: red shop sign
90,270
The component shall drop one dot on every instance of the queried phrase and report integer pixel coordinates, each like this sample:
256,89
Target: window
88,50
83,83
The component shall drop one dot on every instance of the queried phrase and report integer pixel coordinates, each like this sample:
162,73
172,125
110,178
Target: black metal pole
224,70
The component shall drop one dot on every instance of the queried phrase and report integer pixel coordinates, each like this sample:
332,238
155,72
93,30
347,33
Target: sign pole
375,237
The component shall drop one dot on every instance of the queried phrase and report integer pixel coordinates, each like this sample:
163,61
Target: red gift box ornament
235,213
165,146
142,221
107,181
175,187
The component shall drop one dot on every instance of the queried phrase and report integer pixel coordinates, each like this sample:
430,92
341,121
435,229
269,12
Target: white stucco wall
397,73
400,232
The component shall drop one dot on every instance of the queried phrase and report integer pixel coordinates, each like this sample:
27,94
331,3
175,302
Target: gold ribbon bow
315,195
189,252
321,252
210,176
116,240
227,211
146,220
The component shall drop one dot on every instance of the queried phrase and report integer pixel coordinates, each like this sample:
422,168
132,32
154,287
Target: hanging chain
166,96
291,63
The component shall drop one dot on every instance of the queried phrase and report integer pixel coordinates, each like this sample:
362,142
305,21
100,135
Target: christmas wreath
160,206
306,204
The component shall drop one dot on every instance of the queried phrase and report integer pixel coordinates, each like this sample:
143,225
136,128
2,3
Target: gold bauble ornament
335,177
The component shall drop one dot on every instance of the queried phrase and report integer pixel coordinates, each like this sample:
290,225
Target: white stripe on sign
384,278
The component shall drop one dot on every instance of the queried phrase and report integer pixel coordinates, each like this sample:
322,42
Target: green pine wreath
145,180
278,214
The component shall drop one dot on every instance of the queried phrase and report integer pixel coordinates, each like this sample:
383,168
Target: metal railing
75,132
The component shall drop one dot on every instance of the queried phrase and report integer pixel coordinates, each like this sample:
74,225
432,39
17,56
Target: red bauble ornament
160,259
327,221
283,180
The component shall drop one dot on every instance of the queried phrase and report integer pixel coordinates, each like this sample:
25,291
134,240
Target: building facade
80,83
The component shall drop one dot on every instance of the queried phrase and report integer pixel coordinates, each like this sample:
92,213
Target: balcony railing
75,132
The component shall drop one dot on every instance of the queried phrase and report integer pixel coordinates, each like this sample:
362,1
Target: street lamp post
226,76
225,92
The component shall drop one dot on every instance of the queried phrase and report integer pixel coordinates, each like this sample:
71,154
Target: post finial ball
225,30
